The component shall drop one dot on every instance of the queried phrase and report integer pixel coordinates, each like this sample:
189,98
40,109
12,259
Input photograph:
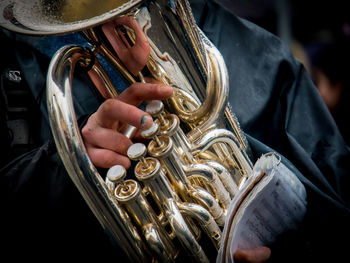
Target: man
276,104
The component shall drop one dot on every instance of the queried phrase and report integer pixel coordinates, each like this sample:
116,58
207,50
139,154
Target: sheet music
276,204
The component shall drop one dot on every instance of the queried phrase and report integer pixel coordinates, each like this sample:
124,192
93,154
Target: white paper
276,204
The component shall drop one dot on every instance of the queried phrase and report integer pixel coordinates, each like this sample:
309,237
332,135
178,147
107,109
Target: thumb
256,255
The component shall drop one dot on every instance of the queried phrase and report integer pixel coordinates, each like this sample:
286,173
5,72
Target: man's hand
105,145
256,255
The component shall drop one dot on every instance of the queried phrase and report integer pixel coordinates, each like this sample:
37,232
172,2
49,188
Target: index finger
112,111
139,92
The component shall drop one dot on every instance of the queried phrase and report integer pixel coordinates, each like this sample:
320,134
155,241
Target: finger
256,255
112,111
106,138
139,92
152,80
106,158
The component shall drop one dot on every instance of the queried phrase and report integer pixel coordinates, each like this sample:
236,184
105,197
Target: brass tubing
217,77
208,201
71,148
210,175
225,177
160,188
181,144
224,136
178,178
172,164
130,195
157,182
180,227
101,80
205,218
100,48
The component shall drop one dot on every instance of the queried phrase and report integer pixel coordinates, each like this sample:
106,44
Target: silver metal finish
137,151
151,131
116,173
155,107
38,17
71,148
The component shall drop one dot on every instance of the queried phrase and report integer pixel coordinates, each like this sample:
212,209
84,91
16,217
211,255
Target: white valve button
116,173
155,107
137,151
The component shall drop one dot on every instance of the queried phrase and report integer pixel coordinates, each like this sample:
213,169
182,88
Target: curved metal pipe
217,101
129,194
182,231
225,177
151,234
71,148
208,201
209,174
205,218
224,136
195,115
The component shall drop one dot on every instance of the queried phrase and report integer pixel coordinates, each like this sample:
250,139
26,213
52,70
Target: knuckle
108,105
87,132
136,91
133,89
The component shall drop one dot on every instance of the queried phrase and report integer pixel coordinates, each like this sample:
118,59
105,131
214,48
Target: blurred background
318,33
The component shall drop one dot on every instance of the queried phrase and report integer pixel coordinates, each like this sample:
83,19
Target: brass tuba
197,157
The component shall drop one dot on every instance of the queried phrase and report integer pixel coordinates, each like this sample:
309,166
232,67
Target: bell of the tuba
50,17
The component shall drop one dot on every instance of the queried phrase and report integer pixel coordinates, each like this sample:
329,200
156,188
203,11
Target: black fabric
277,106
44,215
319,237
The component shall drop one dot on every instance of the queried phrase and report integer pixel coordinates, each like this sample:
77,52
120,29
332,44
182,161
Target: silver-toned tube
160,189
172,164
225,177
208,201
71,148
130,195
101,80
218,75
179,179
151,234
207,172
183,233
181,143
155,180
205,218
224,136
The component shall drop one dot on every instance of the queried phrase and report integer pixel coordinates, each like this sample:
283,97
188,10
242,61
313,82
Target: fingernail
145,119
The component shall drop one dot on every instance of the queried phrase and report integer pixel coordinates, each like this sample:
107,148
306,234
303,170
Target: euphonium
197,157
